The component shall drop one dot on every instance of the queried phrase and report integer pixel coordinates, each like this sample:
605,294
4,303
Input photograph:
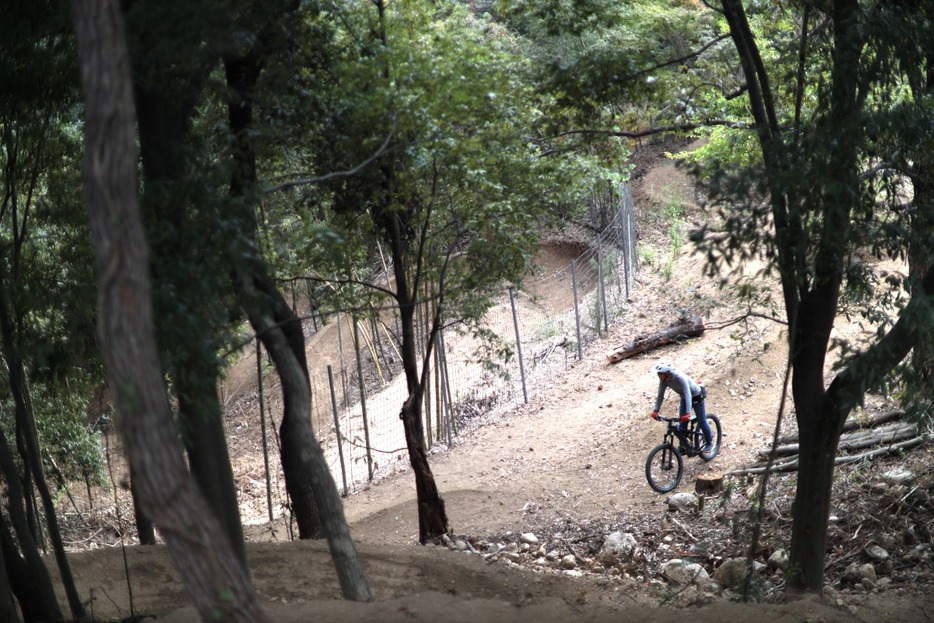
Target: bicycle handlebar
674,420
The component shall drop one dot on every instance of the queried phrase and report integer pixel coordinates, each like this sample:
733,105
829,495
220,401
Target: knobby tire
664,468
714,422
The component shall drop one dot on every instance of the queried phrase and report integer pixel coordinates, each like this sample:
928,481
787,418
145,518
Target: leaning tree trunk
307,475
213,575
309,482
280,332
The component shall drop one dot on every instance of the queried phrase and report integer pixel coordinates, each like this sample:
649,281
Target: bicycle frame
688,438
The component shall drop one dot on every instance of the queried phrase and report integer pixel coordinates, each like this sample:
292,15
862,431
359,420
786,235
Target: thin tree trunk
432,515
812,502
213,575
307,475
30,451
308,478
164,120
31,581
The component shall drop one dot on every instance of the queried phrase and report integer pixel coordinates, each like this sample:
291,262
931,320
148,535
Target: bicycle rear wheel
717,431
664,468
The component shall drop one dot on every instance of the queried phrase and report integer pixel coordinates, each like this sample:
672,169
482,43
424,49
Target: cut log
856,440
792,465
677,332
708,482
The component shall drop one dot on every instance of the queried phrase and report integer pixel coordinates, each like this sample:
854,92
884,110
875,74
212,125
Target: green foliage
646,254
607,59
70,447
449,92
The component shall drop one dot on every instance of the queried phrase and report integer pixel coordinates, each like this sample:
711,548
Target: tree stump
708,482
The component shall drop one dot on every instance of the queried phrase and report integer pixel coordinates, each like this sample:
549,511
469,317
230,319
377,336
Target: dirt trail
573,457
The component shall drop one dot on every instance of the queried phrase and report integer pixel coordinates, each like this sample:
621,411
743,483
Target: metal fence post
366,426
577,312
262,425
601,285
337,427
515,324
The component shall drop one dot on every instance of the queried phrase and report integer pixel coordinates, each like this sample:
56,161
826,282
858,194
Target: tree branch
335,174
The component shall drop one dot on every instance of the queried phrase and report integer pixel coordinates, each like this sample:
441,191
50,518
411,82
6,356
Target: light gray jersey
683,385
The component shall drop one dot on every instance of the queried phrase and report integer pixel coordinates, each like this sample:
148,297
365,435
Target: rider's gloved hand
654,415
685,417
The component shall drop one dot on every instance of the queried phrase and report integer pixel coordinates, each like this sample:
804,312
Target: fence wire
544,326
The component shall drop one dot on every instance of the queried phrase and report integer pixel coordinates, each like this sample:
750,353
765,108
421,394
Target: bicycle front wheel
664,468
717,431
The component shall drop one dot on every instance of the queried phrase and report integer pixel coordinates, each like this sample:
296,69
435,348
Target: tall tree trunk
213,575
395,225
432,515
280,332
309,481
165,112
819,435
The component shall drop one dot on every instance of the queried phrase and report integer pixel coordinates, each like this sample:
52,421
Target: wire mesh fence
543,326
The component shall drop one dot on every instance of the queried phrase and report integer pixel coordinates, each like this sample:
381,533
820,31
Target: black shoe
707,449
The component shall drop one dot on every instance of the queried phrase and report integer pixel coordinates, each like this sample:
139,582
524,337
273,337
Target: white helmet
663,367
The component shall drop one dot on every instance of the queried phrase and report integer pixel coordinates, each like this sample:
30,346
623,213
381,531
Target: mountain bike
665,466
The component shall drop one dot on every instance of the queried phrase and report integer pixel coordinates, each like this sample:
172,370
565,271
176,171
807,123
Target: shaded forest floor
533,494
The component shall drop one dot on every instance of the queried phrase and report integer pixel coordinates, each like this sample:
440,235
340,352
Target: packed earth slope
532,495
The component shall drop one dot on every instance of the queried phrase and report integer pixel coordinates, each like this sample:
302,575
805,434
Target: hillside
568,468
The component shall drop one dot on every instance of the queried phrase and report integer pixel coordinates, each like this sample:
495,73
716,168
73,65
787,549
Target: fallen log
791,466
855,424
677,332
861,438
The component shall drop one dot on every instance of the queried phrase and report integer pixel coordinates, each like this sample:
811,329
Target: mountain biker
692,394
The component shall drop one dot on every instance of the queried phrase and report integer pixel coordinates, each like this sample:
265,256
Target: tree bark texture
309,483
432,515
164,116
209,459
213,575
307,475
